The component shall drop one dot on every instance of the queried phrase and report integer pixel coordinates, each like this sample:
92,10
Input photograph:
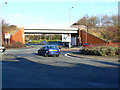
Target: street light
86,27
6,2
69,23
70,14
1,25
0,28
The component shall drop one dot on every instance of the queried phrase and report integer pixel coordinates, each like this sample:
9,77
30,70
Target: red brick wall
90,38
19,36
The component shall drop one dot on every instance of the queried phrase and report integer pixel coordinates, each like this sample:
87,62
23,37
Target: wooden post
79,38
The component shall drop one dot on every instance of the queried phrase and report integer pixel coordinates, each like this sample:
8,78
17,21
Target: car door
44,49
40,51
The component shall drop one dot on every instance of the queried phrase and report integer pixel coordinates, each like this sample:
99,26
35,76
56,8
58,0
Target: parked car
43,42
47,50
2,49
87,44
58,44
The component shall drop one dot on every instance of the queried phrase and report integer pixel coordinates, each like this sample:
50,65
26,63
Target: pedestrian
30,41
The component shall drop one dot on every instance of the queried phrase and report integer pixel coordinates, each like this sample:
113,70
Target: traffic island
79,55
70,49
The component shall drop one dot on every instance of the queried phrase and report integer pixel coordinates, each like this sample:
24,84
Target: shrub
102,51
14,44
117,51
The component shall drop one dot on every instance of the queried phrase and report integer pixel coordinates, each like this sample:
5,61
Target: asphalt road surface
24,68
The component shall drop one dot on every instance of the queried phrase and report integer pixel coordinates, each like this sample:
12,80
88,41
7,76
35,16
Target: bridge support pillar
69,44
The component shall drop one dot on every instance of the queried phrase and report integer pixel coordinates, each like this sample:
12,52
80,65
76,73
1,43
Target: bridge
51,31
70,31
77,35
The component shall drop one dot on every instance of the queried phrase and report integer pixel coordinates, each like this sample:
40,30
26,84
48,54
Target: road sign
7,35
66,37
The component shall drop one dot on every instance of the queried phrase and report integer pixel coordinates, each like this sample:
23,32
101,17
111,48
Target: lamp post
86,27
86,30
1,25
69,23
70,14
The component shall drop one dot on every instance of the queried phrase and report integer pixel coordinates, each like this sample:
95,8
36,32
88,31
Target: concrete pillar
69,44
8,41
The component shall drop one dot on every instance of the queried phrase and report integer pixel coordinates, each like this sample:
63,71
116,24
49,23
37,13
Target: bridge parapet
51,31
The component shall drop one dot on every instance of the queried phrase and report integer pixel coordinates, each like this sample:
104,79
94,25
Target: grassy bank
14,44
39,41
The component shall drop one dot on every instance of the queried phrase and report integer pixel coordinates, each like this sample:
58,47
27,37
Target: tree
111,34
82,21
108,26
43,36
5,26
93,21
74,24
88,21
114,20
106,21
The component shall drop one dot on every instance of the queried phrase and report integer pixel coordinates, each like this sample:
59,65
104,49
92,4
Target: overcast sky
51,13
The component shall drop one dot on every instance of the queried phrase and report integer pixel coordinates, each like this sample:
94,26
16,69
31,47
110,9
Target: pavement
70,49
94,57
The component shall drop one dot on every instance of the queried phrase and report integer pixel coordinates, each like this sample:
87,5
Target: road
24,68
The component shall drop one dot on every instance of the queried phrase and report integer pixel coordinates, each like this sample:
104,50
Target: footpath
76,52
70,49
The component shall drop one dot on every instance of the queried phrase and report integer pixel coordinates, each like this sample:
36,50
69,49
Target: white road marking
70,56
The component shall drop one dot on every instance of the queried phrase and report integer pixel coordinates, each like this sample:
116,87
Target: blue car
43,42
47,50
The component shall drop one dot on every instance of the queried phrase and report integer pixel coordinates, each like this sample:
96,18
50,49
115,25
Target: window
52,47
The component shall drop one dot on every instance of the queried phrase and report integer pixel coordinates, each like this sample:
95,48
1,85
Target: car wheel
38,52
45,55
57,55
3,50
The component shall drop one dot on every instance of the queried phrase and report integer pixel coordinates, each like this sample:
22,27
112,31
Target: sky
53,13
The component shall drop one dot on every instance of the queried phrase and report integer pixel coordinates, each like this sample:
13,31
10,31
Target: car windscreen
52,47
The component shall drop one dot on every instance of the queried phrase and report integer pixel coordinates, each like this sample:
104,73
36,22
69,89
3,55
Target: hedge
102,51
39,41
